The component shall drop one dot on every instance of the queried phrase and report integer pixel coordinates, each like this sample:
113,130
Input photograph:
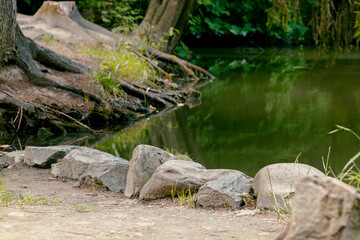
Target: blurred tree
163,16
333,22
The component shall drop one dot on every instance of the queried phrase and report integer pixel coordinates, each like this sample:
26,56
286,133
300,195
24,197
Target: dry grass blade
339,127
326,165
297,158
349,163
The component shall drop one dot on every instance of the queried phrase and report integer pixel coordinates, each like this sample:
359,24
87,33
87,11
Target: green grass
8,198
248,199
350,174
283,208
183,197
47,38
82,207
182,156
119,64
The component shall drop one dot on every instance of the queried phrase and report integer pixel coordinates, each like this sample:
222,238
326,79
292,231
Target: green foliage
285,15
332,22
221,17
182,51
357,25
240,18
122,16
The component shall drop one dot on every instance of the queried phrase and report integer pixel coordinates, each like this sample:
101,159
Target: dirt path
108,215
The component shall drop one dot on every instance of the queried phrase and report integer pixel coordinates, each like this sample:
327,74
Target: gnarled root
156,98
30,51
188,68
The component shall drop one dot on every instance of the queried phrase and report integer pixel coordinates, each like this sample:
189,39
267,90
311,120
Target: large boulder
145,160
228,192
180,175
83,162
278,180
43,157
324,209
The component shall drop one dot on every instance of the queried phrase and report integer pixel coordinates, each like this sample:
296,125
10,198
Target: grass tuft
350,174
183,196
8,198
182,156
82,207
282,209
119,63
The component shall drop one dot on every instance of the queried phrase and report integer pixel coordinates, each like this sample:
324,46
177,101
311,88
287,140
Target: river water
265,106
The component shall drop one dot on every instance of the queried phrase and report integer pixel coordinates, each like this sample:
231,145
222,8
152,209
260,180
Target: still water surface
264,107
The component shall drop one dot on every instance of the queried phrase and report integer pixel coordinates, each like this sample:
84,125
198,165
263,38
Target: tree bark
8,24
17,49
165,14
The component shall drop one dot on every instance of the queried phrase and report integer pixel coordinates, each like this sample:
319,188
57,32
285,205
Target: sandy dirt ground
95,214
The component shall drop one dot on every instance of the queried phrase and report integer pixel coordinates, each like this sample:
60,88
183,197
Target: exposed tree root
146,96
30,51
12,106
151,63
66,115
186,66
17,114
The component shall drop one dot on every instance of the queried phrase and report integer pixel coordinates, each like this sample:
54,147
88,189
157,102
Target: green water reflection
263,108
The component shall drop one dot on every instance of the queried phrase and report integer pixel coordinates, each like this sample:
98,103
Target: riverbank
120,79
86,214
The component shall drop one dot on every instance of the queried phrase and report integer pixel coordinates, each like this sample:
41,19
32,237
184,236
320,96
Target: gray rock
180,175
108,169
56,169
224,192
91,182
145,160
43,157
283,179
324,209
18,156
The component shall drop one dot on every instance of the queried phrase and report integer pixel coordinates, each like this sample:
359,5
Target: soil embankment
81,76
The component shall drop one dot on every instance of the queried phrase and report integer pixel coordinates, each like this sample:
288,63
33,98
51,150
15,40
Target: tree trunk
8,25
17,49
165,14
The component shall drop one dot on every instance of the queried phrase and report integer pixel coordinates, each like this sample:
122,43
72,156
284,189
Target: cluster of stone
321,207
